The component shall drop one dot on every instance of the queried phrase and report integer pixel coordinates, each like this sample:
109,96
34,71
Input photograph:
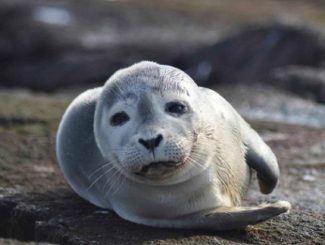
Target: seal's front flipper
225,218
261,158
258,156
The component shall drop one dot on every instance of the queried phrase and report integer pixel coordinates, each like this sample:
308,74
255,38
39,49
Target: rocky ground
269,62
36,204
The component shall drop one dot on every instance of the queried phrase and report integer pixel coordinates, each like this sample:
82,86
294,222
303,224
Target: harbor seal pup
161,151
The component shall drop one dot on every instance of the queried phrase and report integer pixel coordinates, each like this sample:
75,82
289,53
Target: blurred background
267,57
60,46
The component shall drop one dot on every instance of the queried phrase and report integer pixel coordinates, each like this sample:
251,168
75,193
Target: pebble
308,178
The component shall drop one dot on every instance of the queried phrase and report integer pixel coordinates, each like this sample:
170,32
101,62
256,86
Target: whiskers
113,176
114,183
100,168
201,149
197,160
106,172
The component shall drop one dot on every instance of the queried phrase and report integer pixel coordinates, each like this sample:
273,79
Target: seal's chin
159,170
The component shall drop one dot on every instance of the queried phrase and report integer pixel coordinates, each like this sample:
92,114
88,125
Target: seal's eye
176,108
119,118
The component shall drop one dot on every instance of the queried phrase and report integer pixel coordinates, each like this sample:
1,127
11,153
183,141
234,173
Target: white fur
101,161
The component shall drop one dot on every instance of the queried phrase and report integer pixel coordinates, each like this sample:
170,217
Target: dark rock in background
46,45
253,53
305,81
50,45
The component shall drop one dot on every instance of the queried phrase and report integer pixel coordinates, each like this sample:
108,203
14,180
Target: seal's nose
152,143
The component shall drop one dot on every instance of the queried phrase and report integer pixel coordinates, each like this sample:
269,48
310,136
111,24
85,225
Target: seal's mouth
161,169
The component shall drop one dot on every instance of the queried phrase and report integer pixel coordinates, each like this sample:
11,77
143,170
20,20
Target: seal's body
159,150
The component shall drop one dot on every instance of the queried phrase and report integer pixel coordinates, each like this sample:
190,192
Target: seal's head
146,123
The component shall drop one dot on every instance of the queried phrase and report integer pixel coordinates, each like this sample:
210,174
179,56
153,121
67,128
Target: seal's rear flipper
225,218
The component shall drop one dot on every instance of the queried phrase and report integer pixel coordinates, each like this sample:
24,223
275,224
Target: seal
159,150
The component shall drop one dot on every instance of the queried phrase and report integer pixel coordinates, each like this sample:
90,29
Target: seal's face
146,125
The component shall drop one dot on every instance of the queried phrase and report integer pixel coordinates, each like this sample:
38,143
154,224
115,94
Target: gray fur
197,175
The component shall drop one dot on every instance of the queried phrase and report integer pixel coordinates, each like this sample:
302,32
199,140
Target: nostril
144,143
158,140
151,144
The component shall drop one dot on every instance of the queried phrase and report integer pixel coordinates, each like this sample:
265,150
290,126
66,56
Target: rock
309,178
46,45
251,54
271,104
16,242
37,204
50,45
307,82
62,217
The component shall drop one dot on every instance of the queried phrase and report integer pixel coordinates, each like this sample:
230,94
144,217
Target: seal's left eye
176,108
119,118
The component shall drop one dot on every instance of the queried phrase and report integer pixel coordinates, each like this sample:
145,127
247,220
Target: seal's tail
225,218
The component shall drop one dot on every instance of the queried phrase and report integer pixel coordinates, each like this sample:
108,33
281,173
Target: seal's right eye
119,118
176,108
